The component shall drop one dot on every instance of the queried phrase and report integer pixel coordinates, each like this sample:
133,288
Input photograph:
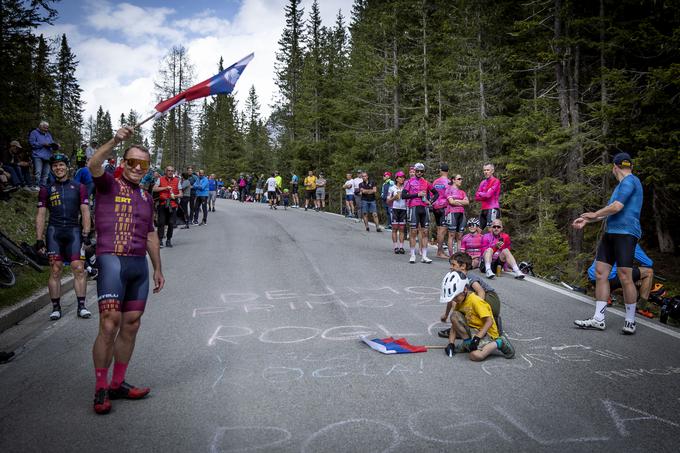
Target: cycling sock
424,252
630,312
413,251
102,375
395,244
81,302
56,305
515,268
118,377
487,265
600,308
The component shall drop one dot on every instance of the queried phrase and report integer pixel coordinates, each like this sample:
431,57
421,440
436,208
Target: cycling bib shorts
440,217
419,216
63,243
457,222
122,283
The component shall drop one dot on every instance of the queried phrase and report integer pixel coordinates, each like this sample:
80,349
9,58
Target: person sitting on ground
286,199
462,262
643,276
496,251
472,321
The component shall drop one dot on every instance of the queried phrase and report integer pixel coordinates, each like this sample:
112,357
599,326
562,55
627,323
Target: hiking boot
127,391
426,260
591,323
444,333
84,313
506,348
102,403
55,315
628,328
168,243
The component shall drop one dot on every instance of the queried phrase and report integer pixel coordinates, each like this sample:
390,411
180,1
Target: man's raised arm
103,152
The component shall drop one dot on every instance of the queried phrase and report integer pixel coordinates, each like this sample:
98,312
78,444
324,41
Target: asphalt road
253,346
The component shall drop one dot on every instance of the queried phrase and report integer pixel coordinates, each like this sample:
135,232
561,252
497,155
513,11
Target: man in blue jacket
202,192
42,145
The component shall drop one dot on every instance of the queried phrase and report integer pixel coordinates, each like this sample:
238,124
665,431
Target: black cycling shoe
444,333
127,391
102,404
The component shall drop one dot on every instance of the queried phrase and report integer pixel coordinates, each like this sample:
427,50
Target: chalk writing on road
633,373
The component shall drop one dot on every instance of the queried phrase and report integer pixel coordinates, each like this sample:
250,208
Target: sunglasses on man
133,163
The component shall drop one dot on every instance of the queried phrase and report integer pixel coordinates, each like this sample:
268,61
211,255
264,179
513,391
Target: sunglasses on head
143,164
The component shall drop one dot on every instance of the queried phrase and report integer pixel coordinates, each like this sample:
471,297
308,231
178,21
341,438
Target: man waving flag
222,83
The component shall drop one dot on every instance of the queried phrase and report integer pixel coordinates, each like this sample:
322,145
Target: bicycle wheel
15,250
7,278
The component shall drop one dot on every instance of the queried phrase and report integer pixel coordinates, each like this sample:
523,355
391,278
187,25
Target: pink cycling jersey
472,244
440,185
454,192
491,241
414,186
489,192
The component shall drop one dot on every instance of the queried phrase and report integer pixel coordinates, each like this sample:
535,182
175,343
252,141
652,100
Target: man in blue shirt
42,146
617,246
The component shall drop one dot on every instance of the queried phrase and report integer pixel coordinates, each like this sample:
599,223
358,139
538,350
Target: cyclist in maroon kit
125,234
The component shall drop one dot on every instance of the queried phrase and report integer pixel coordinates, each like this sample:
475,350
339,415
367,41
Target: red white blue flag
222,83
393,346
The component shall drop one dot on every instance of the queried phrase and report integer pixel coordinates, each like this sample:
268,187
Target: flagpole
145,120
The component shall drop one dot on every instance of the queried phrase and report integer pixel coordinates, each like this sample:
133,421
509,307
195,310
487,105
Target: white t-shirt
350,190
355,183
396,204
271,185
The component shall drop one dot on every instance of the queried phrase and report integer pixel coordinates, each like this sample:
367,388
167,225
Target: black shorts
63,243
122,283
440,217
616,249
398,217
271,195
487,216
457,222
294,189
310,194
615,283
419,216
494,264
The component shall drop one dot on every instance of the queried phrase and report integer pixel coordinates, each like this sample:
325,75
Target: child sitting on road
286,199
471,320
462,262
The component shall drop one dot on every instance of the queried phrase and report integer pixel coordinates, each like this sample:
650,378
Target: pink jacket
489,192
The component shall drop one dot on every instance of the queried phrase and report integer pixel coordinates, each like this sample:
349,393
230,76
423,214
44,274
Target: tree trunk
395,95
482,94
603,100
426,105
560,67
664,237
575,161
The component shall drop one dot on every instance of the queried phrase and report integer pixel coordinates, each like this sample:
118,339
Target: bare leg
125,341
441,235
646,279
54,281
79,278
109,325
629,290
602,271
481,354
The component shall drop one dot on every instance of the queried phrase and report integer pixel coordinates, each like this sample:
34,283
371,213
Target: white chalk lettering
620,422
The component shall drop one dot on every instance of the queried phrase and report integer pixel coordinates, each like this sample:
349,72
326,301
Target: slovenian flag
392,346
222,83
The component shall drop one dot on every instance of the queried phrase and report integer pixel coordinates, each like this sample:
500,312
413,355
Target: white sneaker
628,328
84,313
55,315
426,260
490,274
412,260
592,323
518,275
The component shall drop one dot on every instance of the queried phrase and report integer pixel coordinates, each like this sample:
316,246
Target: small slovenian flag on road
222,83
392,346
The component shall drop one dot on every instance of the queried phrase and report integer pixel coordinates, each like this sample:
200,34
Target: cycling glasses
496,226
143,164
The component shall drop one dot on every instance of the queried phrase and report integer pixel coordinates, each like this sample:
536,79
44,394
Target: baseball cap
623,160
388,174
443,167
15,143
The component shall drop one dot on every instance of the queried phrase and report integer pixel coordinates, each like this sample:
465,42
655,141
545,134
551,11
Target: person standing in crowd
89,151
259,188
368,204
294,187
242,188
357,195
185,188
83,176
384,191
320,201
271,191
349,195
488,193
398,212
456,200
168,193
43,145
68,206
496,251
111,166
21,160
212,192
310,188
125,234
416,192
279,186
439,207
201,187
617,246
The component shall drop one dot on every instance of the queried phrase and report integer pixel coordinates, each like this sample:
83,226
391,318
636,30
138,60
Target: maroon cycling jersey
124,216
63,200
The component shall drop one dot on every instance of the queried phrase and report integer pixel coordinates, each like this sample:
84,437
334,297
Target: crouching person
472,321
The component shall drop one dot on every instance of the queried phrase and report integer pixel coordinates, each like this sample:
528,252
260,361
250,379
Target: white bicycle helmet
453,284
419,166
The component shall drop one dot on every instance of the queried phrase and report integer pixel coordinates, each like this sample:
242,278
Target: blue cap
623,160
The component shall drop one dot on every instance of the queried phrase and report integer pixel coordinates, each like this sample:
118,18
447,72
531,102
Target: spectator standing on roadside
259,188
185,187
488,193
83,176
241,188
193,177
42,145
384,193
89,151
212,192
357,195
310,188
439,207
169,192
201,187
320,201
398,213
456,200
368,201
271,191
349,195
294,187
